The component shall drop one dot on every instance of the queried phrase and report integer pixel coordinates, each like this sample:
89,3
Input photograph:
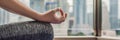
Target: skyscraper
65,7
83,16
114,14
79,11
105,17
4,16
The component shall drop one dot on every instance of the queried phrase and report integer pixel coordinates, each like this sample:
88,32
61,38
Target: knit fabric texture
31,30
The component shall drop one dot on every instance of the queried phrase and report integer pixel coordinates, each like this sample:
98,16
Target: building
4,16
65,7
114,14
82,17
38,5
78,15
119,23
51,4
105,17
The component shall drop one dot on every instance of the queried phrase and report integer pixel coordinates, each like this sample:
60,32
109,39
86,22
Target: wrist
40,17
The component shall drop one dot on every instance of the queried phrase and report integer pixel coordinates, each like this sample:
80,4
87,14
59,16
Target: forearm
19,8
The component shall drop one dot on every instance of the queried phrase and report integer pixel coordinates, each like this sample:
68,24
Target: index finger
59,10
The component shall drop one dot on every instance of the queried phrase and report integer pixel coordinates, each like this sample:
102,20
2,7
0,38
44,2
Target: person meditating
15,6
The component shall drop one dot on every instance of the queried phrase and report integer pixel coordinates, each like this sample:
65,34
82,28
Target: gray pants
31,30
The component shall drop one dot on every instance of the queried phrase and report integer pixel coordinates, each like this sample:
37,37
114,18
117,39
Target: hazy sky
70,2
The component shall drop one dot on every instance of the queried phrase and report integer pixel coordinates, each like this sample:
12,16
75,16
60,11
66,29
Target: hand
50,16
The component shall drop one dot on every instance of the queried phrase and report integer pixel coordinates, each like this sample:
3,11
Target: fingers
53,11
64,17
58,10
61,19
61,12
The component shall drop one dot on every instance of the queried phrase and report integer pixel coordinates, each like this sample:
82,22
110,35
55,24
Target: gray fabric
31,30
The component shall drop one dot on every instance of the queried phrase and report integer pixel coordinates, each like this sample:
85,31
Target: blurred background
80,16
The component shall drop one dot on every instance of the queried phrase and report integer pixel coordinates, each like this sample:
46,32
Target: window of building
111,18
